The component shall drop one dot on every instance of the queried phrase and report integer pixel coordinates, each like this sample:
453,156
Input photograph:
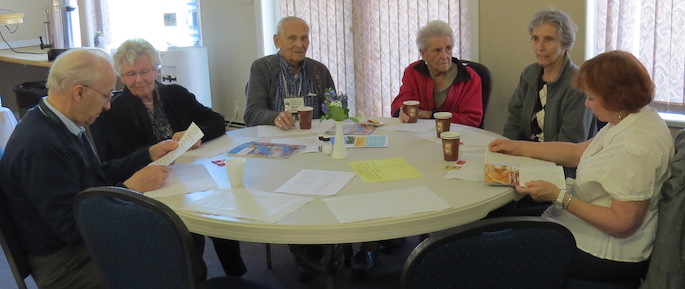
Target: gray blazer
261,88
566,117
667,263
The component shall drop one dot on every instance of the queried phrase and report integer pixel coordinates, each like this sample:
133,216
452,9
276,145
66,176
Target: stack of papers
241,203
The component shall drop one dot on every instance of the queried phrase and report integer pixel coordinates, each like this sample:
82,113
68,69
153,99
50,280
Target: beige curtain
654,31
368,44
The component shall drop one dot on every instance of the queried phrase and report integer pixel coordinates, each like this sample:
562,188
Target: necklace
148,103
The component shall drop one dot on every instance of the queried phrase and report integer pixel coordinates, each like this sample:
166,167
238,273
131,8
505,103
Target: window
654,31
178,19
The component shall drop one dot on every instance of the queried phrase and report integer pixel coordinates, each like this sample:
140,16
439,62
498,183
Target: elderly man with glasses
50,158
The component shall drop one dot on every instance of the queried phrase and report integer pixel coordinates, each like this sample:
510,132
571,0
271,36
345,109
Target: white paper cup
236,171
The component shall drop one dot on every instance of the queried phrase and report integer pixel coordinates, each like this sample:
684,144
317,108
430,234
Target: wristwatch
559,202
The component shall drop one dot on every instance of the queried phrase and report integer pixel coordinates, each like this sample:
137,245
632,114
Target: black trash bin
28,94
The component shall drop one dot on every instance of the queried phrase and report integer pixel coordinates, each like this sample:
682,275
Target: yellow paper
385,170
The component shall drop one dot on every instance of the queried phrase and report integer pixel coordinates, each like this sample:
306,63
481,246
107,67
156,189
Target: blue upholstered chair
11,246
509,252
584,284
141,243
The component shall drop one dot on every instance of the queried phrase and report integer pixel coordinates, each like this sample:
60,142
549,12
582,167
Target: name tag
293,103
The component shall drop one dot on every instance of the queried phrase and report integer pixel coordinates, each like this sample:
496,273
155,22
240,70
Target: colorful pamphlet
365,141
501,169
265,150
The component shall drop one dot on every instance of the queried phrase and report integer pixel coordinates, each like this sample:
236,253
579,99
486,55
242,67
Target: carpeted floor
284,272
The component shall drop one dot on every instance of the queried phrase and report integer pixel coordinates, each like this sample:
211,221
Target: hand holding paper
190,137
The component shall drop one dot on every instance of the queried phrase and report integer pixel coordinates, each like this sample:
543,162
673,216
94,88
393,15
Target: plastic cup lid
450,135
442,115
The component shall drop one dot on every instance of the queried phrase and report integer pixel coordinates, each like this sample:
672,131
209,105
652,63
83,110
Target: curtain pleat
654,31
368,44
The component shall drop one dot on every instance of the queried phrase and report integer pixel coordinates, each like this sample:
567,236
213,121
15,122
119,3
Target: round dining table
468,199
314,223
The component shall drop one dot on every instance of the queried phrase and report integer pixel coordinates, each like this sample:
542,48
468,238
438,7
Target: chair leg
348,254
268,256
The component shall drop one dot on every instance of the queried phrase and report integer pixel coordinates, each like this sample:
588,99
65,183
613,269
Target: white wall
29,31
230,31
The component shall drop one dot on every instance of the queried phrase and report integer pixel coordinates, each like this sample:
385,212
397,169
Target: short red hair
619,79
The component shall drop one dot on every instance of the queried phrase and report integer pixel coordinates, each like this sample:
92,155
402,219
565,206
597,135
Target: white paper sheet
190,137
395,203
242,203
318,127
316,182
185,178
472,170
422,125
217,146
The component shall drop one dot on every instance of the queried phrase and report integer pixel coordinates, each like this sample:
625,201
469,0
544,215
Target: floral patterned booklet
265,150
353,128
501,169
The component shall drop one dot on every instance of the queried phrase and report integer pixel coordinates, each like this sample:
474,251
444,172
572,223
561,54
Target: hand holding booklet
190,137
502,169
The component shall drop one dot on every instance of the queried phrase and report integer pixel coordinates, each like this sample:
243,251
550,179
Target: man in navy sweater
51,156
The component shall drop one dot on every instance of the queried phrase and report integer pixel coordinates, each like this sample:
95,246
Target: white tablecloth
7,124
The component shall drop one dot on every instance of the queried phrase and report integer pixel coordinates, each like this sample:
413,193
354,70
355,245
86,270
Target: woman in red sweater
438,81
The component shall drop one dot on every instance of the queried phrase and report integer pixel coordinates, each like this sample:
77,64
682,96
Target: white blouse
628,161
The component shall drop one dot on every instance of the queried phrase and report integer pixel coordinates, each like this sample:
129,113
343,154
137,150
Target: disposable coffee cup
442,122
411,108
450,145
236,171
304,114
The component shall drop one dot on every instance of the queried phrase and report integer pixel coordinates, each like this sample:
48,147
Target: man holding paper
282,82
50,158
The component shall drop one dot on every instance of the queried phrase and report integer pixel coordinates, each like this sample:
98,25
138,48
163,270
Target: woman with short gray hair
439,81
435,28
544,106
566,28
131,50
148,110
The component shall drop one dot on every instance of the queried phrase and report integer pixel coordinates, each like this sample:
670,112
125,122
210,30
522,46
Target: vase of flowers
335,107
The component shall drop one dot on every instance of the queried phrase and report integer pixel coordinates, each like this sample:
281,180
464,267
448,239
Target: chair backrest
666,267
486,80
137,241
509,252
11,245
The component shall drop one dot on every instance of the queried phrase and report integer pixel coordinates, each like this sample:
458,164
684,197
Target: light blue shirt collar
73,128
